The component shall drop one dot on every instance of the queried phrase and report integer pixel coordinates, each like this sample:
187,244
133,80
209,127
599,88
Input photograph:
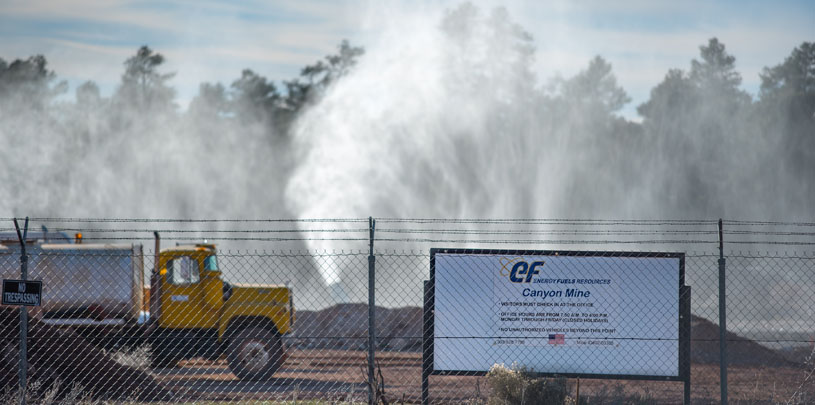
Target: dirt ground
341,375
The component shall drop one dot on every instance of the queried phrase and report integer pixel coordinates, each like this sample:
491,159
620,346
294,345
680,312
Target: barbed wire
440,230
429,231
199,239
122,230
423,254
177,220
767,223
216,238
530,221
548,241
542,232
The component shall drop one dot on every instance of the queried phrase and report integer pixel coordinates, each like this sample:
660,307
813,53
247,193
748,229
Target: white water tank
96,281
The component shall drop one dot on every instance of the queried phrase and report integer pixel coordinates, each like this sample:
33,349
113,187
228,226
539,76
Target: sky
214,40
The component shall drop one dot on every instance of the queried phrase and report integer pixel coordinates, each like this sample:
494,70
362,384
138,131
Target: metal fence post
426,342
371,312
684,302
722,318
23,371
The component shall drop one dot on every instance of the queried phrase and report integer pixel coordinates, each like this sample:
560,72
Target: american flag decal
557,339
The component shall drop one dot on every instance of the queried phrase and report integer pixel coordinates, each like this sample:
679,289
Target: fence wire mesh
281,313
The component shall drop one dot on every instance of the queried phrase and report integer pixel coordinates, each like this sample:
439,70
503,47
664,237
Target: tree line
701,135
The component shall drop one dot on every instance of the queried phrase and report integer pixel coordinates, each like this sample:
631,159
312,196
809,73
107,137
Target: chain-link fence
277,310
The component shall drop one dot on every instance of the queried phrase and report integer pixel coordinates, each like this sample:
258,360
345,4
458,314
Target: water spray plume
423,126
432,127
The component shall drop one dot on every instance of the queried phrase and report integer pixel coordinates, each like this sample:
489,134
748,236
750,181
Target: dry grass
48,394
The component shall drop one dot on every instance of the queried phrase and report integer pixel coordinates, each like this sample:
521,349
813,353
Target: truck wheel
255,354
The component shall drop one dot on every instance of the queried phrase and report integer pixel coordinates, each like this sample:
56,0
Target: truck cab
195,313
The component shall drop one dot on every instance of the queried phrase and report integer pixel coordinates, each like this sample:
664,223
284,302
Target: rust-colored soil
339,375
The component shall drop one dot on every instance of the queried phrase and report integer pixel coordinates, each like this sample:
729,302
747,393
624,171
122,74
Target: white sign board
587,313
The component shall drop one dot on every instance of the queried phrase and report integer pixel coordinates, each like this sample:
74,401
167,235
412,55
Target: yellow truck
100,291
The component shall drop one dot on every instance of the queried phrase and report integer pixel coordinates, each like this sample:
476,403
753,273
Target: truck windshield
211,263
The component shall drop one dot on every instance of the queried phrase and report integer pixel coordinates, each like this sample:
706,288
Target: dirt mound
704,348
60,355
345,327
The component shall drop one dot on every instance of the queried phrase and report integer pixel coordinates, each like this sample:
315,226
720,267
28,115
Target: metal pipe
684,302
426,341
23,371
153,304
157,248
722,317
371,311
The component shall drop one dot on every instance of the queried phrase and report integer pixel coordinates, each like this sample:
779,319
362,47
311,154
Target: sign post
23,293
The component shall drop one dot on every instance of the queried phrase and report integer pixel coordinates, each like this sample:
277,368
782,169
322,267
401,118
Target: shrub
518,386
